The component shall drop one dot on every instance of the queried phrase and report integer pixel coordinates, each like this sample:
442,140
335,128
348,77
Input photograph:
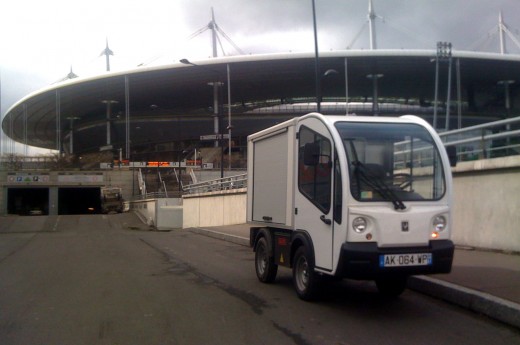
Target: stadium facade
156,113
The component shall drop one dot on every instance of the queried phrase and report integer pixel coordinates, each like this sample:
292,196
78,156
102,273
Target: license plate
398,260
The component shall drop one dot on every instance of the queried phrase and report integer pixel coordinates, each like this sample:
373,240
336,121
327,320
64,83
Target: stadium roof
174,102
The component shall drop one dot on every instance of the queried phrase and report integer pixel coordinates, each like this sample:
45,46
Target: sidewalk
482,281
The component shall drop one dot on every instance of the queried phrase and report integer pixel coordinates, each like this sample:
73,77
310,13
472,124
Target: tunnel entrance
28,201
85,200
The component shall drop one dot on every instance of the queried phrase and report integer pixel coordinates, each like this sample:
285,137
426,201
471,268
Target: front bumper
361,260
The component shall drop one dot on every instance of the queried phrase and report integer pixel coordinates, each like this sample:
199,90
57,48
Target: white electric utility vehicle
349,197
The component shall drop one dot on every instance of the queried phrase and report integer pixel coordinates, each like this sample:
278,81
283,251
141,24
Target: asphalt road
107,280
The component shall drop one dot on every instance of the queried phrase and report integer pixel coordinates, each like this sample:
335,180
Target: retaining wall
215,208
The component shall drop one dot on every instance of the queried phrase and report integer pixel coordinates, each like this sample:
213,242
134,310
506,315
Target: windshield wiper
377,183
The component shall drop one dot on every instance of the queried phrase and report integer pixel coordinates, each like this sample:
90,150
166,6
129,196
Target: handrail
225,183
485,144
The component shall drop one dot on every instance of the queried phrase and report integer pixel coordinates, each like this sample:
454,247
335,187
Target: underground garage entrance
28,201
70,200
85,200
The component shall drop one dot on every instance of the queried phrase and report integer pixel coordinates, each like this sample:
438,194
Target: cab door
314,195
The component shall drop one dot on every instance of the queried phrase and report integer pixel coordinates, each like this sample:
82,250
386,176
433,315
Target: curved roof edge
266,57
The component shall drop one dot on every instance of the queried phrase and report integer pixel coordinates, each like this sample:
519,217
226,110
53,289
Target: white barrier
226,207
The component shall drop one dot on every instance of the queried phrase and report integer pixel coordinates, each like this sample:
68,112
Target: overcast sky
41,40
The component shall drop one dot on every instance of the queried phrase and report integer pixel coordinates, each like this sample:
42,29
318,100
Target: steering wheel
403,180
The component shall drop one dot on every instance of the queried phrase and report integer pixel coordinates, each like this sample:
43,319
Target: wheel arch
257,233
302,238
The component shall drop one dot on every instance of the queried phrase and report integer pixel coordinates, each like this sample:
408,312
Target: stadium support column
127,118
71,142
58,122
108,103
507,101
25,129
375,96
346,86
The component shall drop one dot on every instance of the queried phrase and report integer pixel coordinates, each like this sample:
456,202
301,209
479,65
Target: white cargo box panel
270,175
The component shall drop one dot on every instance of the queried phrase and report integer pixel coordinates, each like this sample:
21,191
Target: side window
315,175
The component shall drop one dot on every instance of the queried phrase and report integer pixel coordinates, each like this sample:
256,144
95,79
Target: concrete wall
486,204
215,208
162,214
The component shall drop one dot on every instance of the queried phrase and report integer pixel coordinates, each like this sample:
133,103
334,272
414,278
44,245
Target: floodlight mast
213,27
107,52
372,26
501,33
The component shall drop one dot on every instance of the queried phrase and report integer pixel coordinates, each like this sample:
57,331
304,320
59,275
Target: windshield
392,162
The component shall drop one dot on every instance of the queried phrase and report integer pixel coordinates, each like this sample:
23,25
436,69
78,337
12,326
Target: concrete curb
480,302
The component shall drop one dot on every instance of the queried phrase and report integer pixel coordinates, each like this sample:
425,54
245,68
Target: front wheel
305,280
266,269
392,286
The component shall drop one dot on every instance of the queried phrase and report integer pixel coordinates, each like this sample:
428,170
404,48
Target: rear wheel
305,280
391,287
266,269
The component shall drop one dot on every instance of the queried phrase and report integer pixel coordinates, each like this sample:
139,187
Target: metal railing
488,140
226,183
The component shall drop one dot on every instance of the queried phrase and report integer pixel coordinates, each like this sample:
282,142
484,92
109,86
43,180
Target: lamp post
216,110
229,127
316,60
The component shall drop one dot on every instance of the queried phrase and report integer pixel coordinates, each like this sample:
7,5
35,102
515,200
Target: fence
230,182
489,140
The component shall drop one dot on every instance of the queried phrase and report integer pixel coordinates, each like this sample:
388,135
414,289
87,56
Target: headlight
359,224
439,223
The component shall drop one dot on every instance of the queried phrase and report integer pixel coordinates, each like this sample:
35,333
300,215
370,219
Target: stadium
155,113
197,115
169,112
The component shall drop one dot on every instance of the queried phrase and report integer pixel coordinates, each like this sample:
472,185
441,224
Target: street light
216,110
316,60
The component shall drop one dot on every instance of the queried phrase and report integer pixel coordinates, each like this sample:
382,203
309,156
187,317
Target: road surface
105,279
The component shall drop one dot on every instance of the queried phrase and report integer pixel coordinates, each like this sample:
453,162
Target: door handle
325,220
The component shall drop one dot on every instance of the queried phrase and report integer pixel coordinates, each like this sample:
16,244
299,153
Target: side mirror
452,155
311,154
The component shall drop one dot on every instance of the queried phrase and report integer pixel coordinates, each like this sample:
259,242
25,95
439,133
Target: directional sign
214,136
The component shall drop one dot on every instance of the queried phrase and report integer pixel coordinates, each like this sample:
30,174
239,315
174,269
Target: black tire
305,280
265,267
391,287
